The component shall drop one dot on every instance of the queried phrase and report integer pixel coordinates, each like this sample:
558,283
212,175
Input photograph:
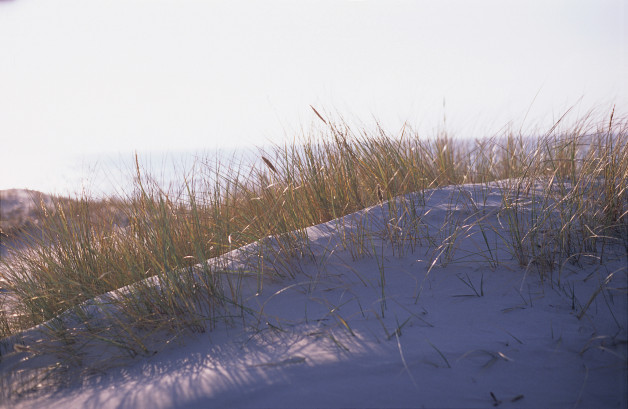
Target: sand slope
384,330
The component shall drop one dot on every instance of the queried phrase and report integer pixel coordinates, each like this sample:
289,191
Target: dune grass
576,175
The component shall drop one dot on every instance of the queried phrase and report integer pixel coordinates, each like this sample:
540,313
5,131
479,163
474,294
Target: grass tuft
121,270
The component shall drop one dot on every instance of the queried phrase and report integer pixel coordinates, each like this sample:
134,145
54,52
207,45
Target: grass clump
139,262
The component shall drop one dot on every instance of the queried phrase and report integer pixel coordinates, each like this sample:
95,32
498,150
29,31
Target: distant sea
107,174
102,175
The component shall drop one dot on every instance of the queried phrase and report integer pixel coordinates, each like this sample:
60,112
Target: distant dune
19,206
18,213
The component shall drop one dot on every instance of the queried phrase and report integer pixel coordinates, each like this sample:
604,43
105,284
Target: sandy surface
384,330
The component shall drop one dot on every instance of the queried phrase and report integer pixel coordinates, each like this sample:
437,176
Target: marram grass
577,176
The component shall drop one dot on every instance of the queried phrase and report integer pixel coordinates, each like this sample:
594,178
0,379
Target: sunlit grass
565,198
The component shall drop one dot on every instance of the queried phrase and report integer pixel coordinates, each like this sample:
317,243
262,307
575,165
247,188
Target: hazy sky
87,76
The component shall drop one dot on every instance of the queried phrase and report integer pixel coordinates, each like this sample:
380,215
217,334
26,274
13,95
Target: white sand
326,339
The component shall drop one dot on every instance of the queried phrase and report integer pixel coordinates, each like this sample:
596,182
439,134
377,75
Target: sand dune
384,330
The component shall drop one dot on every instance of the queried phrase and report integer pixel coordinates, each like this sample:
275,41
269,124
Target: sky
85,77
